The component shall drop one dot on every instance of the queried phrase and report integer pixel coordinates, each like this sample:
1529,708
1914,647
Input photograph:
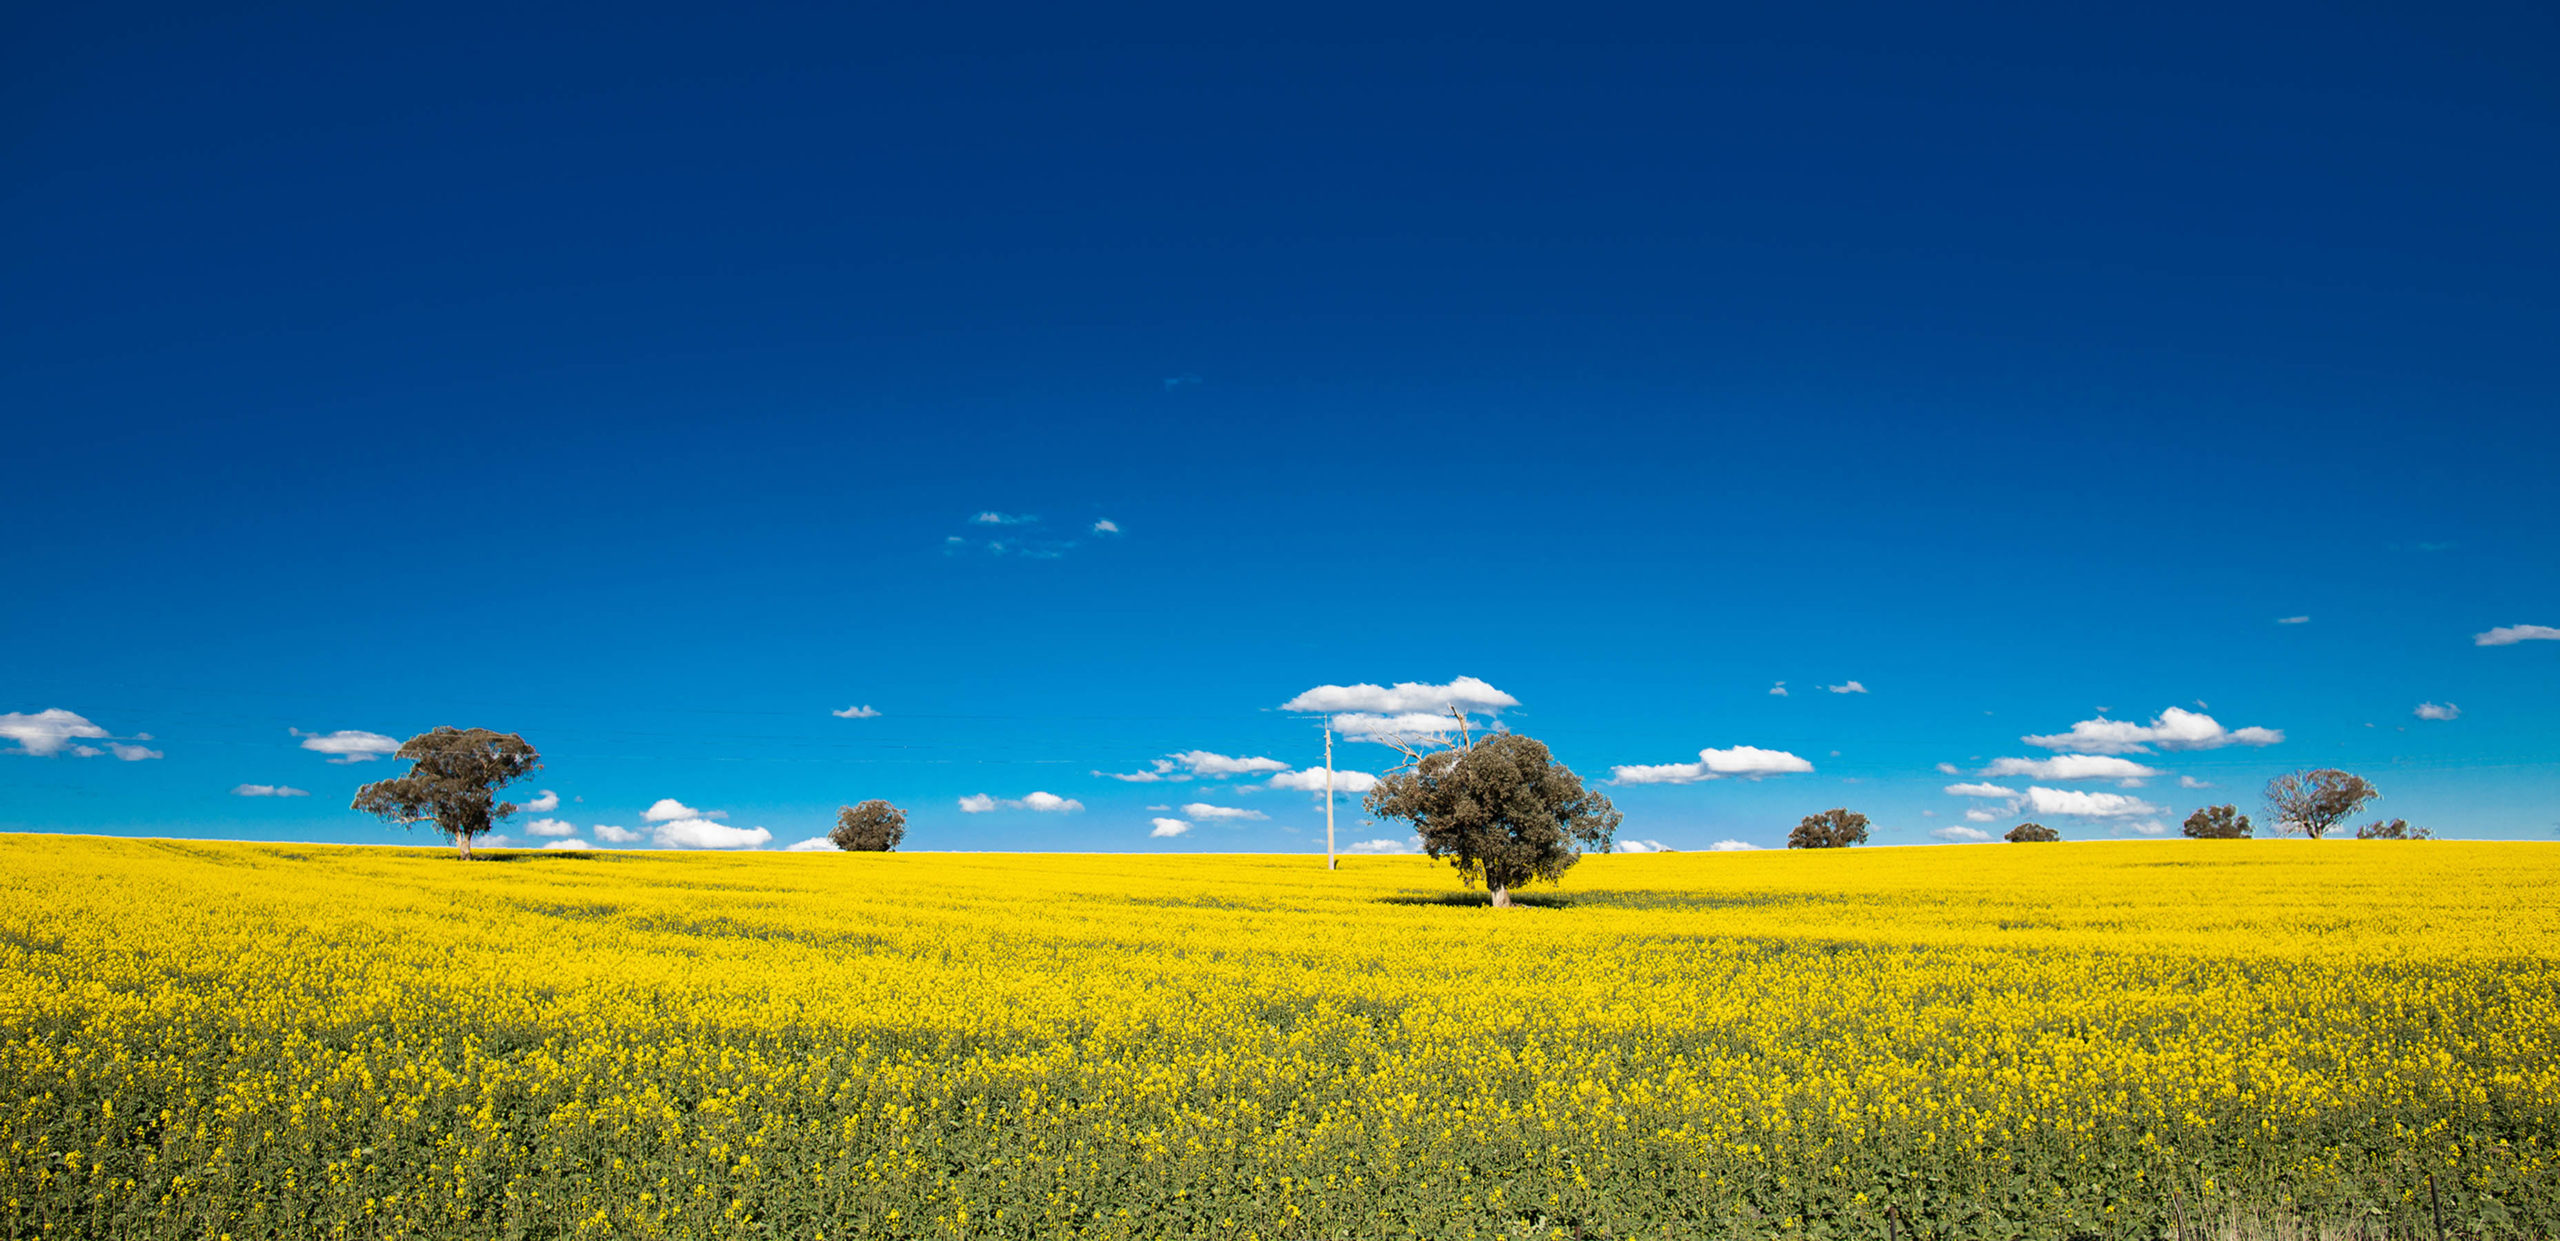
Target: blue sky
659,384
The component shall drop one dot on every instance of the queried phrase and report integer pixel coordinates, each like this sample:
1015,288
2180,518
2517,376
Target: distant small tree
453,782
2218,823
1831,829
2031,834
1499,808
874,826
2312,802
2395,829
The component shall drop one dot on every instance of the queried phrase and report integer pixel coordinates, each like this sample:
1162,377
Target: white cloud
1642,846
1979,815
2176,729
2079,805
1162,771
666,809
1311,780
814,844
2509,635
2152,827
1203,764
1412,725
993,518
1220,814
551,827
348,745
495,841
1949,769
2071,767
545,804
1411,844
1731,846
1850,688
1980,790
1780,689
571,843
2438,711
133,753
2293,620
1106,526
864,712
1750,762
705,834
1045,803
2190,782
47,731
615,835
1464,693
1168,828
1961,835
268,790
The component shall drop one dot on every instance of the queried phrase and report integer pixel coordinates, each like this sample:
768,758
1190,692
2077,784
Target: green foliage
2394,829
1831,829
1500,809
453,782
2218,823
2031,833
2312,802
873,826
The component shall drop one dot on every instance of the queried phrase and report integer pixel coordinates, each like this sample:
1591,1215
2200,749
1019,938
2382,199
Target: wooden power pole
1329,861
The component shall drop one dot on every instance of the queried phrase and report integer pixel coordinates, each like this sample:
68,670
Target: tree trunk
1501,896
462,845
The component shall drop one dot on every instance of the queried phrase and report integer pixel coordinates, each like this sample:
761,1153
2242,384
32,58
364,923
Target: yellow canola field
2108,1040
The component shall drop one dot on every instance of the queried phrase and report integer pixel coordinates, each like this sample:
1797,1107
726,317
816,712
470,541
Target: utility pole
1330,862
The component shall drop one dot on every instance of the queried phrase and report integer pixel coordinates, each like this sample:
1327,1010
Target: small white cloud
1412,844
1220,814
2176,729
865,712
495,841
2190,782
2076,804
1106,526
1045,803
1980,790
1749,762
2152,827
348,745
1311,780
2293,620
571,843
1464,693
133,753
1211,766
1850,688
1979,815
1167,828
1411,726
1780,689
993,518
814,844
2509,635
551,827
1949,769
2438,711
1961,835
668,809
1731,846
268,790
545,804
1641,846
2071,767
705,834
47,731
615,835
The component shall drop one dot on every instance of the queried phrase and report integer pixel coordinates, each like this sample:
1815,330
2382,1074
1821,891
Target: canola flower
2093,1040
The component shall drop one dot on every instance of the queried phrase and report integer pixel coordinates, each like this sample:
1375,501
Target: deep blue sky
622,377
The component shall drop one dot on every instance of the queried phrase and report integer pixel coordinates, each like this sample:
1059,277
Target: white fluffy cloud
864,712
47,731
551,827
545,804
1404,697
2071,767
2190,782
1980,790
1199,764
2438,711
1045,803
615,835
993,518
1411,844
1168,828
1750,762
571,843
268,790
1731,846
814,844
1106,526
2176,729
132,753
2509,635
1780,689
1311,780
1849,688
668,809
348,745
1643,846
1961,835
2075,804
705,834
1980,815
1220,814
1411,725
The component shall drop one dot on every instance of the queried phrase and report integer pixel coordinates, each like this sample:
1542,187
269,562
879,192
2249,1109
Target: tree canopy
2312,802
2217,823
453,781
2393,829
1499,808
873,826
2031,833
1831,829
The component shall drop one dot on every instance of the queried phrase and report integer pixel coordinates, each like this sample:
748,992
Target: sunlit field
2110,1040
